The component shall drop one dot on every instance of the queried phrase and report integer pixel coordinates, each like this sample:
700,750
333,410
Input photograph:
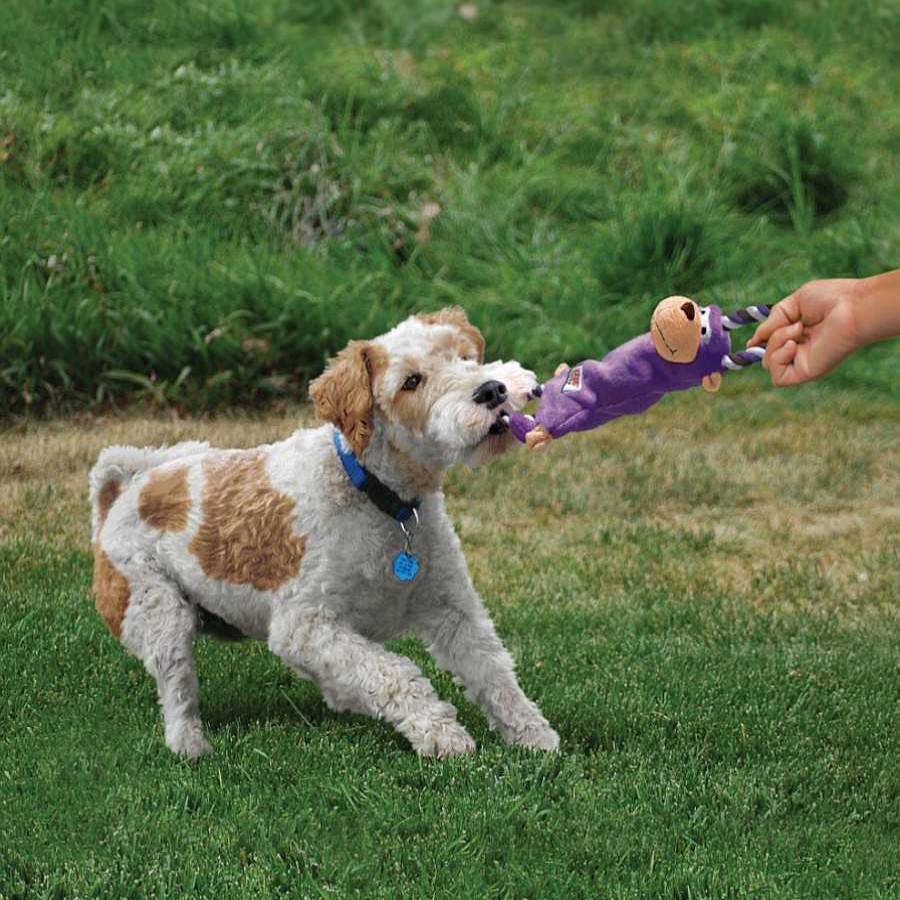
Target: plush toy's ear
675,329
343,393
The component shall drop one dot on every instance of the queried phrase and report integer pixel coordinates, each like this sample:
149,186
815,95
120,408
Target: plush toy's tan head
675,328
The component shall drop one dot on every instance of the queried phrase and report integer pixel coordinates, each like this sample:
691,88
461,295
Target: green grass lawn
702,600
199,201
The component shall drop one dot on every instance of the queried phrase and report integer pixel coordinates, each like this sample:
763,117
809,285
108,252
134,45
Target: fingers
782,365
783,313
788,333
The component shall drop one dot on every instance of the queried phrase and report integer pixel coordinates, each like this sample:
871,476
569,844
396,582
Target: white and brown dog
304,543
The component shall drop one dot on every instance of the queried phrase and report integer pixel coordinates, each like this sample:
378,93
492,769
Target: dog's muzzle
491,394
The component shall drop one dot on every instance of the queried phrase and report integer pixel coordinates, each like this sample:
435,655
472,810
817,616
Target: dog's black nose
493,393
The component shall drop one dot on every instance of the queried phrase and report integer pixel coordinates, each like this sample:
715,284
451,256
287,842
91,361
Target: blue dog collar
377,491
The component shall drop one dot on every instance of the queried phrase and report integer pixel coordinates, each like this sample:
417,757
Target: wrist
875,305
858,300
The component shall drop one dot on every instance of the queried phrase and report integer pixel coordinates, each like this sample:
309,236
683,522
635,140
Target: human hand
809,332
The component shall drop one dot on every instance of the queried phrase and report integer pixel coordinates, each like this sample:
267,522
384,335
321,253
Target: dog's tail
117,466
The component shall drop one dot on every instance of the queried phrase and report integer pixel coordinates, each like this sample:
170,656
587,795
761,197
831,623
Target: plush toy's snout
675,329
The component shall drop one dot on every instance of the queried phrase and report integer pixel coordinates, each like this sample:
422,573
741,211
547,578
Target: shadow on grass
667,247
253,702
794,170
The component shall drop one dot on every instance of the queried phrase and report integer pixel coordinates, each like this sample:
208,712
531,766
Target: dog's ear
456,316
343,393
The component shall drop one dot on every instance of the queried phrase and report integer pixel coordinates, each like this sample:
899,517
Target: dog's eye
412,382
703,330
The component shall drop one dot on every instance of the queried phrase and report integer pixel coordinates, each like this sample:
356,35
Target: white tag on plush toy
573,382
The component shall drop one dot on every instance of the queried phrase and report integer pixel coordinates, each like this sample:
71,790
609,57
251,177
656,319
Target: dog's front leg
358,675
464,642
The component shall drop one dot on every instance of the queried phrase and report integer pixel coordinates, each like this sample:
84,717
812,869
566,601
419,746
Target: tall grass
200,203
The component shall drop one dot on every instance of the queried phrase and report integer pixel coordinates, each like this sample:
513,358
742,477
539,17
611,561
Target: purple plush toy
687,345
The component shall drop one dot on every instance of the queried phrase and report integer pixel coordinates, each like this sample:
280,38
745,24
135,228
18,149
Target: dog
326,544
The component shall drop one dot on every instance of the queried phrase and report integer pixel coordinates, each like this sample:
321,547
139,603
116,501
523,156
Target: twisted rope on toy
747,315
742,358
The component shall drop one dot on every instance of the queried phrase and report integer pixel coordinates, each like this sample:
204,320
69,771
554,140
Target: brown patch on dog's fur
342,394
108,495
409,408
456,316
246,536
111,591
455,343
164,500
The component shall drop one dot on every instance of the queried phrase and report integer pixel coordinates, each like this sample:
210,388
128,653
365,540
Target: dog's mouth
497,428
500,425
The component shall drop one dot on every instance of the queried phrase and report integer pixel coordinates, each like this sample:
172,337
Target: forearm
877,307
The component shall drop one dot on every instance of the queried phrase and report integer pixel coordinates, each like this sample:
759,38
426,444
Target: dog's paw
537,736
188,742
444,741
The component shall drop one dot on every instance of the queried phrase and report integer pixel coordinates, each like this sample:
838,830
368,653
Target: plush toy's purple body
635,376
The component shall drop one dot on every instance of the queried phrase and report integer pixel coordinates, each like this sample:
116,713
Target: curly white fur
328,622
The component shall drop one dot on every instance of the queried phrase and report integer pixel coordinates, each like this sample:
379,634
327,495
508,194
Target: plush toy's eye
412,382
705,334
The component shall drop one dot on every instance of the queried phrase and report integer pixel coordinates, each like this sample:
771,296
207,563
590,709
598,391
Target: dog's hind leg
159,629
358,675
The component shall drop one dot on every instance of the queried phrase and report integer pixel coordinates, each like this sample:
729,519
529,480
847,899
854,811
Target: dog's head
425,385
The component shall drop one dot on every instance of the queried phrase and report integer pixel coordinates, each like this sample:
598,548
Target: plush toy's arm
521,425
527,428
